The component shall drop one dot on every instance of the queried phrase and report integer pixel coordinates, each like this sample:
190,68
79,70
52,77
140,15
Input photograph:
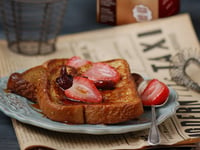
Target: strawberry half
103,75
77,62
83,90
153,92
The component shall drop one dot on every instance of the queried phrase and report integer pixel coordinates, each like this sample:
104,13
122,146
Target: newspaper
147,47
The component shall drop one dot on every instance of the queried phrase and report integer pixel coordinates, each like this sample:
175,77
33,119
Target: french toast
119,104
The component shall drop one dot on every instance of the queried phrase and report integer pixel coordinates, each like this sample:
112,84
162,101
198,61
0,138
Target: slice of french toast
119,104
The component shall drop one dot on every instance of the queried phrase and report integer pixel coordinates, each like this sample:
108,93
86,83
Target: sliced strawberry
83,90
153,92
77,62
103,75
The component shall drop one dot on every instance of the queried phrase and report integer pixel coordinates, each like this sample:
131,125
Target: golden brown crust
26,83
56,111
20,86
119,105
112,113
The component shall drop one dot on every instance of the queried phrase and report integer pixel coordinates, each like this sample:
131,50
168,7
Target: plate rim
82,128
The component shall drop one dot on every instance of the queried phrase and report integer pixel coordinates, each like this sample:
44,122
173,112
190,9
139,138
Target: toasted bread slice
120,104
26,83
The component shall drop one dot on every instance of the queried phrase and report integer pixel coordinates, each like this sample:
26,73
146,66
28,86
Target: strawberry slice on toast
83,90
77,62
103,75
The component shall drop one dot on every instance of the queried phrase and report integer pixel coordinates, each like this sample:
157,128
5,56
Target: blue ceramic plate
21,109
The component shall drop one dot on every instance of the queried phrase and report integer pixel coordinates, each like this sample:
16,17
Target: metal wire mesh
31,26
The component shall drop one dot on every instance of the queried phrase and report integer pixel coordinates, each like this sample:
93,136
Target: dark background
81,16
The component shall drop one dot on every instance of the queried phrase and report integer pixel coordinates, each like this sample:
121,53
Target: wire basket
32,26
